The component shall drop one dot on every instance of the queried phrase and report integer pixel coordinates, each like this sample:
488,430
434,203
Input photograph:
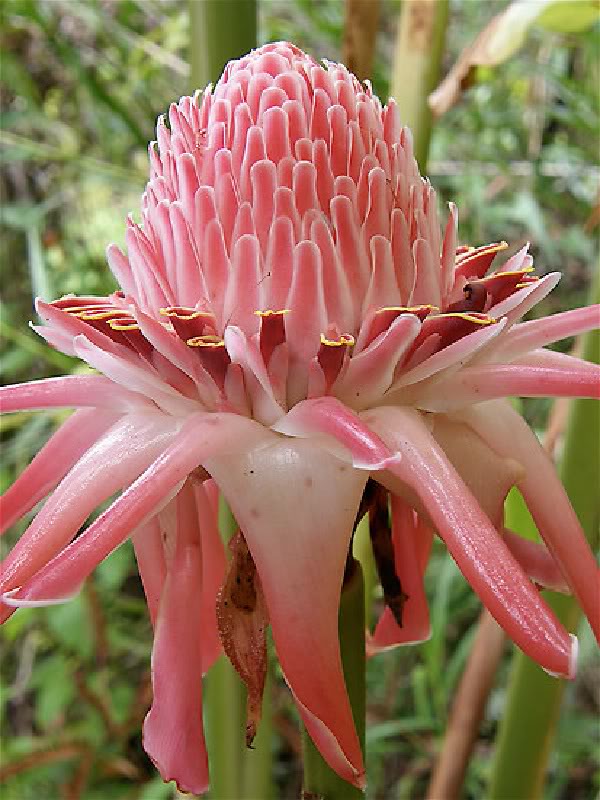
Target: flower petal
64,448
109,465
506,432
453,356
329,417
536,333
173,733
142,379
539,374
69,391
200,436
214,564
537,561
477,548
150,557
410,539
296,505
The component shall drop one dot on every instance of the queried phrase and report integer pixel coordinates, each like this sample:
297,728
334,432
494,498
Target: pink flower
290,323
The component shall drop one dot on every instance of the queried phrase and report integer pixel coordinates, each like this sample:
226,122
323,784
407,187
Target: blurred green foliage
81,86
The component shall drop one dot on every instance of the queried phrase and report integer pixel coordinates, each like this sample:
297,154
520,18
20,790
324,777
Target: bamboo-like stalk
219,31
417,61
319,779
360,32
534,698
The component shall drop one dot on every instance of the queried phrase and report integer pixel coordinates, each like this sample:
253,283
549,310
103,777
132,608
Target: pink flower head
290,322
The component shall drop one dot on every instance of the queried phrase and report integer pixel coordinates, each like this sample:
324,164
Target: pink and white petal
409,569
329,419
70,391
150,557
142,379
175,351
520,302
542,373
201,436
537,561
537,333
371,372
243,350
173,734
296,505
213,574
116,459
64,448
488,476
453,356
507,433
70,327
477,548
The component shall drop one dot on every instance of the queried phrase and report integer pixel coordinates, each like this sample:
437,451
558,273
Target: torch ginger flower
290,323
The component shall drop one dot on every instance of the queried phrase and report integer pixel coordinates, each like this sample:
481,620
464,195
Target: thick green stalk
417,61
363,552
319,778
258,762
534,698
236,773
220,30
225,703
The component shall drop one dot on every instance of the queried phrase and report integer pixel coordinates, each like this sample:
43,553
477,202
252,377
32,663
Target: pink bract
291,320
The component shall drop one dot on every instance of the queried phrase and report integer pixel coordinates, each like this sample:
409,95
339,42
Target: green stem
220,30
319,778
534,698
224,705
363,552
258,762
419,49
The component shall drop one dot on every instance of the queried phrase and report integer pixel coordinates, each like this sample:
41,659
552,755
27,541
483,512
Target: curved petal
150,557
173,733
201,435
536,333
482,557
542,373
296,505
537,562
142,379
453,356
70,391
329,417
109,465
410,539
506,432
213,574
371,372
64,448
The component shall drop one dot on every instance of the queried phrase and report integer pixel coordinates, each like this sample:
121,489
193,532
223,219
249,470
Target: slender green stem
419,49
319,778
220,30
225,725
534,698
363,552
258,762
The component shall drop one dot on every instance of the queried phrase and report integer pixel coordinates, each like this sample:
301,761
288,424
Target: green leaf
54,681
569,16
70,624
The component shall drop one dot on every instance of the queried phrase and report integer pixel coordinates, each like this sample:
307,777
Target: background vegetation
81,86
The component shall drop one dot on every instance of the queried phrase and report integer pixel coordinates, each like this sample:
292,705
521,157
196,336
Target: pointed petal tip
17,602
373,648
573,658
